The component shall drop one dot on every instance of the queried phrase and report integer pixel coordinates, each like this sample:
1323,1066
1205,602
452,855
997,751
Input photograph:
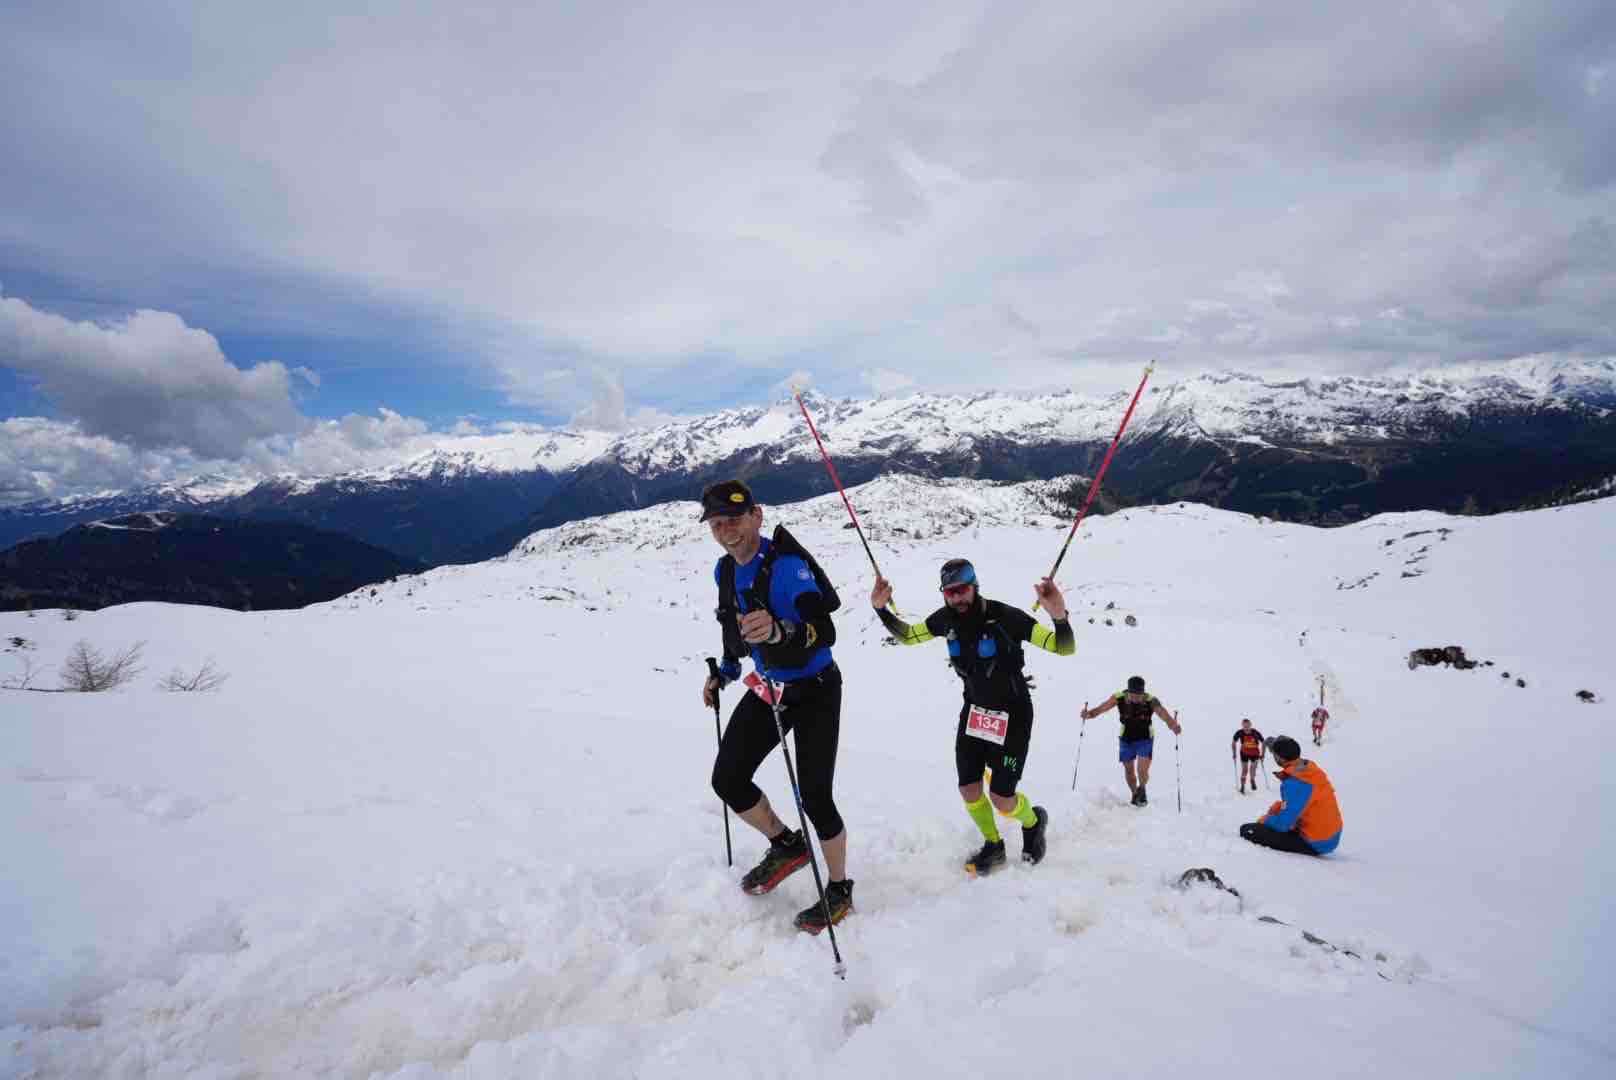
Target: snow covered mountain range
1326,450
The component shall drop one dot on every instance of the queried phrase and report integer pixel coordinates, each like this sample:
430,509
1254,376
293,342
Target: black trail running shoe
1032,840
785,857
838,897
987,860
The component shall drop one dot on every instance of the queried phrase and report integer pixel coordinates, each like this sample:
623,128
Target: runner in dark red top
1247,748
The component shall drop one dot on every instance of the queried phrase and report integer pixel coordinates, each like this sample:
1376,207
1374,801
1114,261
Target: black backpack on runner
777,656
1008,653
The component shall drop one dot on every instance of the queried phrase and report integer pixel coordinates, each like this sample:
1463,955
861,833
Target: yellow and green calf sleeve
981,812
1023,811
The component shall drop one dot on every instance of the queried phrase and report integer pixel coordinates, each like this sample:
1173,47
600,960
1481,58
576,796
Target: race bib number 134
987,724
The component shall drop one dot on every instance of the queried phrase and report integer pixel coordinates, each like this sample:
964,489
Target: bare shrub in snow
25,681
87,671
206,678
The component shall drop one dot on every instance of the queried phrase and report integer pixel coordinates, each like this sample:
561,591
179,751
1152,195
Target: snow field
462,827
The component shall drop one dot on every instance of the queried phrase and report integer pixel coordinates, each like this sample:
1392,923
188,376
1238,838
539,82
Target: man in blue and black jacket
774,605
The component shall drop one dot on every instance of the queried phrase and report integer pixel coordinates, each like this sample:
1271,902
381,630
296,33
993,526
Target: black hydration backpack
977,672
776,656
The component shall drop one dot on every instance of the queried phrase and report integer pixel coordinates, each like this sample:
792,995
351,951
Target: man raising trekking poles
995,722
1137,739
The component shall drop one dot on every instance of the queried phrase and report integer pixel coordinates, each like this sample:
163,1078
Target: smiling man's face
738,533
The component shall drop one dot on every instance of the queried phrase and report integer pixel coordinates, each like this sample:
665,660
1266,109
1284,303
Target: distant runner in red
1248,749
995,725
1320,716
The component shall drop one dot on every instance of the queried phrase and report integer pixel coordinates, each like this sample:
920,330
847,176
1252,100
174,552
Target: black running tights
1259,833
814,712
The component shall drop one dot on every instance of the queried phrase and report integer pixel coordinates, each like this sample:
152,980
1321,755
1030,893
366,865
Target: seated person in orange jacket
1306,818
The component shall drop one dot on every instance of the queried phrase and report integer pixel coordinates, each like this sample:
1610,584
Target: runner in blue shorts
1137,709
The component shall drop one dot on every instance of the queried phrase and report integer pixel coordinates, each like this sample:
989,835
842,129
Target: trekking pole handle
712,669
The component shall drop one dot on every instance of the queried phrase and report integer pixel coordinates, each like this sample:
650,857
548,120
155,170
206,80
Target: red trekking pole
830,467
1094,485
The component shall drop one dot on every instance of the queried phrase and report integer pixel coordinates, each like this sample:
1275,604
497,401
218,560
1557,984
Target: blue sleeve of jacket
792,579
795,597
1294,794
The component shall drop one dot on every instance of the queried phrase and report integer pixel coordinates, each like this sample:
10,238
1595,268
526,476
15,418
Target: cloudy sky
306,235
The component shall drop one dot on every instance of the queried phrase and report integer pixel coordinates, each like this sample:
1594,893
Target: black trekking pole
712,667
775,692
1083,727
1179,765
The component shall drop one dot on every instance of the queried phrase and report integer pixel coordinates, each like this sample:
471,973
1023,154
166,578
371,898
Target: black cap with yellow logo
727,498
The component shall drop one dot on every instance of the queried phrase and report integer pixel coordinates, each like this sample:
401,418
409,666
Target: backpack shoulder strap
783,543
726,581
734,646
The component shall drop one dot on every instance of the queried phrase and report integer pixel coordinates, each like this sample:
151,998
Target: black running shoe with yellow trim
987,860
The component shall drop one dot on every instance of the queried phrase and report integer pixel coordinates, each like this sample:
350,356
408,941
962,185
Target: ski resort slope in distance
461,825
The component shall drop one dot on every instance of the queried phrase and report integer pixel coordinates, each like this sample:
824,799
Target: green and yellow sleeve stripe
902,632
1059,641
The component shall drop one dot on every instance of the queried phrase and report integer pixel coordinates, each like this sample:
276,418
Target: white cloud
148,380
42,458
607,411
985,194
350,443
797,380
50,459
888,382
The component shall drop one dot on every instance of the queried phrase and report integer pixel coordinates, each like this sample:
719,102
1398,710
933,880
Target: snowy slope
912,507
460,825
